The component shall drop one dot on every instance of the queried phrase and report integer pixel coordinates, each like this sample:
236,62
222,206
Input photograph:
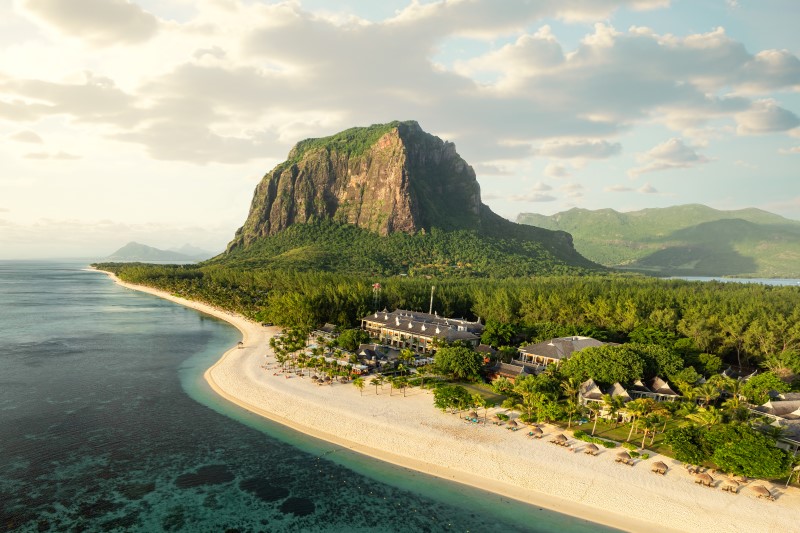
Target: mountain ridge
683,240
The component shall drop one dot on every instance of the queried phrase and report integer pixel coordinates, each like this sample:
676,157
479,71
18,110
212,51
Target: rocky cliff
385,178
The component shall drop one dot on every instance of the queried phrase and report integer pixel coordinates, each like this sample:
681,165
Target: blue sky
153,120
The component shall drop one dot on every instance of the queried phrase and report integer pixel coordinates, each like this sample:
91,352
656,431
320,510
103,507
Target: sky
154,120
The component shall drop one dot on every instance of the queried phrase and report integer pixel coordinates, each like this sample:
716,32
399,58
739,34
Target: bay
106,424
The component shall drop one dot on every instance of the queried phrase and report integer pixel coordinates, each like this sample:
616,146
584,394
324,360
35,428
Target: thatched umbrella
762,491
327,379
660,468
704,479
730,486
496,418
591,449
536,431
472,414
512,423
314,378
561,438
623,456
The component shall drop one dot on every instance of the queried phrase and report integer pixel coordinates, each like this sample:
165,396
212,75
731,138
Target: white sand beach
409,431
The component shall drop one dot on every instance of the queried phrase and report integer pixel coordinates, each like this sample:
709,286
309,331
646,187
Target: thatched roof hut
623,455
591,449
704,479
660,467
560,438
762,491
512,423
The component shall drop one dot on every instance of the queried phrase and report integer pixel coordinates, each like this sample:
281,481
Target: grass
619,433
485,391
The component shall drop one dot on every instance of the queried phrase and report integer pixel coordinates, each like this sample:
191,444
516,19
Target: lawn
619,433
484,390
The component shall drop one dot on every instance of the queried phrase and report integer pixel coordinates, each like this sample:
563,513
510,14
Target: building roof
786,409
485,348
618,390
590,391
427,325
510,370
560,348
659,386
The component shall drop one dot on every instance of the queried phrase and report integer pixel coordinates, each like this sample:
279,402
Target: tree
658,360
571,408
459,361
613,404
497,333
605,364
708,392
756,389
502,386
359,383
687,444
451,397
638,408
377,381
351,339
706,416
742,450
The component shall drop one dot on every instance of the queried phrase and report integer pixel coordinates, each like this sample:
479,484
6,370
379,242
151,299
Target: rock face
385,178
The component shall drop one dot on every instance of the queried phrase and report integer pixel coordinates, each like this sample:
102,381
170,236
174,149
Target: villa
538,356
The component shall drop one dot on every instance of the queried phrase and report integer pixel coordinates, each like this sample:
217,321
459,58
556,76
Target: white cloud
572,190
532,197
61,156
789,151
541,186
765,116
554,170
617,188
647,189
671,154
582,148
26,136
100,22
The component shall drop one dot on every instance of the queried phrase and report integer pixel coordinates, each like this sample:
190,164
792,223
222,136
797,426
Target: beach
410,432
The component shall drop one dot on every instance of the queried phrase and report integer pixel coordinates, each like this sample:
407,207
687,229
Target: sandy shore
410,432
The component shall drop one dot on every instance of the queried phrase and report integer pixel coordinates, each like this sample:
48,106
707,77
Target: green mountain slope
134,251
683,240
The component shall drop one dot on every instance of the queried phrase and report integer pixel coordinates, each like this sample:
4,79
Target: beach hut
660,468
763,492
704,479
730,486
591,449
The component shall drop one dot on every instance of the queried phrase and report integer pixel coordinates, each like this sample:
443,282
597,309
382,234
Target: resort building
554,351
417,331
658,390
783,411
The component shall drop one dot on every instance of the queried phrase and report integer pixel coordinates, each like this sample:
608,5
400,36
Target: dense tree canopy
605,364
350,339
756,389
459,361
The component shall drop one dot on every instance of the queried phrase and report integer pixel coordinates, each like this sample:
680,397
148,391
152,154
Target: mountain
198,254
388,198
684,240
133,251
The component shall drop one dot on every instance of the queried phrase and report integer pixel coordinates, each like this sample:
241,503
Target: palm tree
706,416
359,382
637,408
708,392
402,383
377,381
571,388
612,404
572,407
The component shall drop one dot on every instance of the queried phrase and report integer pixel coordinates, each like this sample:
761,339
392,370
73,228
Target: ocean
106,424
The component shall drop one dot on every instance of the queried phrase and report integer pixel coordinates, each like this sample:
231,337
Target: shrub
629,446
580,434
502,417
645,456
634,454
609,444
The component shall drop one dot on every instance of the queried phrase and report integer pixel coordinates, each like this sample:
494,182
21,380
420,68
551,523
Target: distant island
134,251
684,240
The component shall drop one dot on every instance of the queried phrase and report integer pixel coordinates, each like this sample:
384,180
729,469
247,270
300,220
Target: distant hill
134,251
684,240
391,199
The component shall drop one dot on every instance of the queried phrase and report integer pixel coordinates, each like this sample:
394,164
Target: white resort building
410,329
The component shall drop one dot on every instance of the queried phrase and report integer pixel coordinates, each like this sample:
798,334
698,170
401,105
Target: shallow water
107,425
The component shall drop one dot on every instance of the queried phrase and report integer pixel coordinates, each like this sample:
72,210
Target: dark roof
590,391
506,369
560,348
329,328
424,322
485,348
659,386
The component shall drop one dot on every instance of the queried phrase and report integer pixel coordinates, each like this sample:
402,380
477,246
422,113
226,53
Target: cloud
572,190
765,116
554,170
617,188
647,189
100,22
5,210
789,151
26,136
61,156
488,169
671,154
532,197
583,148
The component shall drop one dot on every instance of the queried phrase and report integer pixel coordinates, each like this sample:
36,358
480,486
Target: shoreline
385,427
